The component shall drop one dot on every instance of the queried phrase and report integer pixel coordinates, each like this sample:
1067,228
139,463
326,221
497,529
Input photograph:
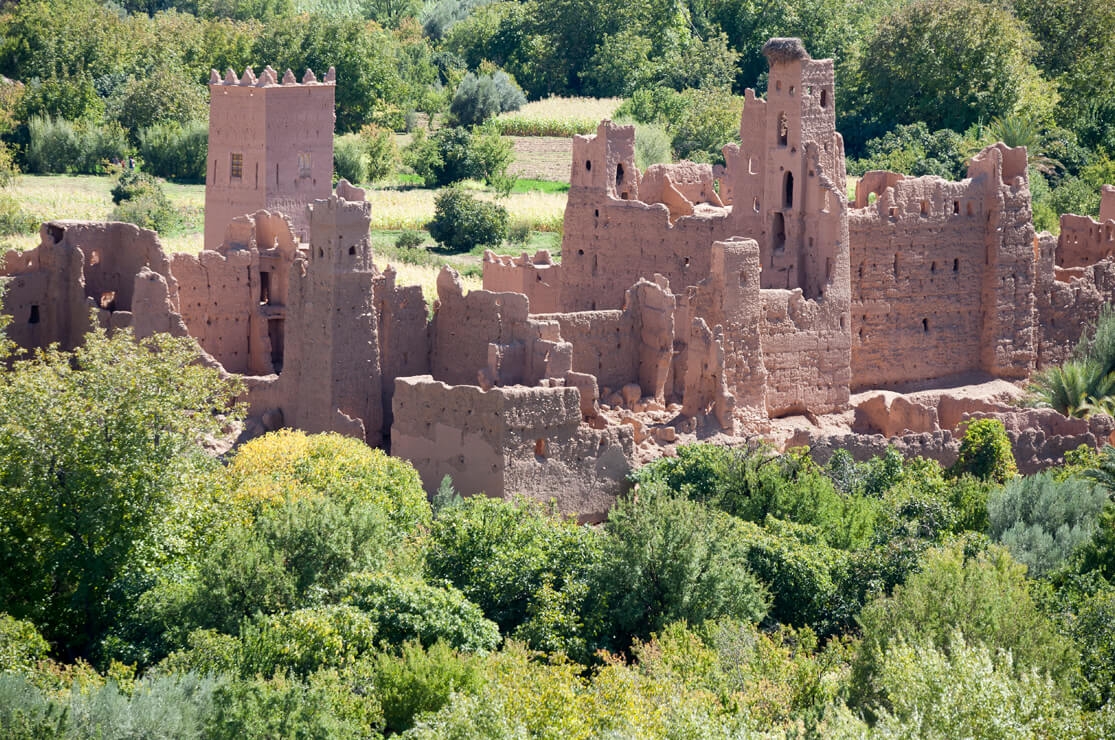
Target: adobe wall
538,278
633,345
80,266
609,244
1084,240
234,298
403,331
283,132
510,440
943,274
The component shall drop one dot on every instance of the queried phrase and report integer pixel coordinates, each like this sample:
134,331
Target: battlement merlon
269,78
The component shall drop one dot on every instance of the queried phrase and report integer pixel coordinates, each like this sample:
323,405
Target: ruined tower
790,171
332,367
270,147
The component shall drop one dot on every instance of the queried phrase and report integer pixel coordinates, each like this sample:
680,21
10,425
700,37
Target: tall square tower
270,147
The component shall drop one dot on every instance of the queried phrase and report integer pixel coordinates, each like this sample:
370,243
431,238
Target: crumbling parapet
538,278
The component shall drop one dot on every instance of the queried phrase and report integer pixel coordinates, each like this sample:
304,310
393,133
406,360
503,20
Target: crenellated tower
270,147
790,171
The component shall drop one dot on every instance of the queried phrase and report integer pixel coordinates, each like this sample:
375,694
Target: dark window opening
580,252
824,98
956,207
925,325
779,231
264,288
925,208
588,164
788,190
619,176
275,334
352,249
956,265
933,267
34,317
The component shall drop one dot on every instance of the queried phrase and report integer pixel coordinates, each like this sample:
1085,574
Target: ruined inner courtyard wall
609,244
218,299
917,262
942,274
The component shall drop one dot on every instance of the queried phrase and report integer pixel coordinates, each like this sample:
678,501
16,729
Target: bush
159,708
289,464
964,689
480,98
668,559
1042,520
409,239
499,554
305,640
175,151
408,609
462,222
21,645
985,452
9,171
350,158
757,483
454,154
652,146
518,233
492,155
985,597
13,219
420,680
330,704
140,200
293,555
383,155
56,145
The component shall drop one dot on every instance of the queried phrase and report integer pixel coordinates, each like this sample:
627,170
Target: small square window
303,164
236,165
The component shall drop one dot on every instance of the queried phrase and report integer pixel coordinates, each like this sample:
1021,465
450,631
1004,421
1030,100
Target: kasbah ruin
691,302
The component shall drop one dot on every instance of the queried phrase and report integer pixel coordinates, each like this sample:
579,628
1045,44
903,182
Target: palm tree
1016,130
1078,388
1104,472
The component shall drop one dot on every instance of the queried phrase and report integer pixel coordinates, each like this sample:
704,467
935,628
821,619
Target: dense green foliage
94,445
1042,520
463,222
985,452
